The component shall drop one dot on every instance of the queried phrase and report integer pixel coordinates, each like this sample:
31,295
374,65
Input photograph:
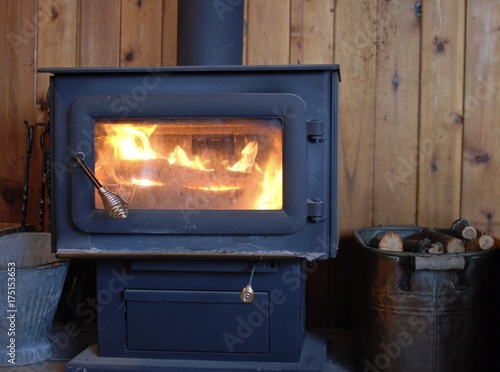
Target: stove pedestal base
313,358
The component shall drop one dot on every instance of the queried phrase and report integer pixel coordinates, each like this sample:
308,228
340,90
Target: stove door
192,163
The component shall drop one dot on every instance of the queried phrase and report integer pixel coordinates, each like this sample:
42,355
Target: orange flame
271,196
180,157
132,142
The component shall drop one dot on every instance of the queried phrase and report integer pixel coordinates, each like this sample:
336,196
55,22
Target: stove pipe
210,32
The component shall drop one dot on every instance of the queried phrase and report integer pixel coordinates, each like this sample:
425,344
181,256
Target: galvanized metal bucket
423,312
31,281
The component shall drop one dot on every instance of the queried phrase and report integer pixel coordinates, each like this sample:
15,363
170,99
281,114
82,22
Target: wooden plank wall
419,104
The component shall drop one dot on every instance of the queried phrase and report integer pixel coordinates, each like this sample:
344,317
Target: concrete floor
65,349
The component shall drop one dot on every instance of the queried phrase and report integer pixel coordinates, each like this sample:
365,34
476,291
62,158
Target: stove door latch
315,210
316,130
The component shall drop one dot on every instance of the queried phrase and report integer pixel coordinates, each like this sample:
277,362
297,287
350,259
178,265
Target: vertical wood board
311,31
268,38
99,39
396,134
141,33
169,33
17,100
441,112
481,152
355,51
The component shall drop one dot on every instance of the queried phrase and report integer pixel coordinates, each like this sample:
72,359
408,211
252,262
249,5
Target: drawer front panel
196,321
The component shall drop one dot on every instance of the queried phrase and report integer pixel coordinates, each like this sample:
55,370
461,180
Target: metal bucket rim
48,266
53,264
16,235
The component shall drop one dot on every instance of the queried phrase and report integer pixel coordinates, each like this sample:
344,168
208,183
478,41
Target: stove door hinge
316,130
315,210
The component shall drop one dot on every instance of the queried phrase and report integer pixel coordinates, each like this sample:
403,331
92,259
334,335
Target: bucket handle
435,263
440,263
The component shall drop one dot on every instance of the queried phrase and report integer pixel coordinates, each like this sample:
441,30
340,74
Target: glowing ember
213,188
145,182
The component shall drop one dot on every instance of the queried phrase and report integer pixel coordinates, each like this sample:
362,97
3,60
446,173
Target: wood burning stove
238,161
228,173
202,192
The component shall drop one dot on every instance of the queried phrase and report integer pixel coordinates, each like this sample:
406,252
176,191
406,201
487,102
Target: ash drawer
196,321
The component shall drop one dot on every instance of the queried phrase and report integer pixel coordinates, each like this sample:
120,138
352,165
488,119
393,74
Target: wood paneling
57,30
418,131
356,51
268,32
481,153
311,31
169,33
17,102
441,112
396,134
99,39
141,34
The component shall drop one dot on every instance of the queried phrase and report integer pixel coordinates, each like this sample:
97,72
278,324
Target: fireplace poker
45,187
114,205
29,149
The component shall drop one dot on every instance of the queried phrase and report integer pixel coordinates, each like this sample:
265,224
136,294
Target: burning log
462,229
484,242
141,169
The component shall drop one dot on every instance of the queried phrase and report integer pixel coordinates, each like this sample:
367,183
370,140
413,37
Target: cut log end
486,242
455,246
462,229
469,233
391,241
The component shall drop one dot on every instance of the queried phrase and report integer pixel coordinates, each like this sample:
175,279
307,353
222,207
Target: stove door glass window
192,164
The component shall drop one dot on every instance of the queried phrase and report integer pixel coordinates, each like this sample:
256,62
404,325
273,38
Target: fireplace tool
45,186
29,149
114,205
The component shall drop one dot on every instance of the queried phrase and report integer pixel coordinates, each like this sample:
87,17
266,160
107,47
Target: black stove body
201,224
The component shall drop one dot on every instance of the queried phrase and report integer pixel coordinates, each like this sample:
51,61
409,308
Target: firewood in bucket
462,229
423,245
484,242
450,243
436,248
416,245
391,241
